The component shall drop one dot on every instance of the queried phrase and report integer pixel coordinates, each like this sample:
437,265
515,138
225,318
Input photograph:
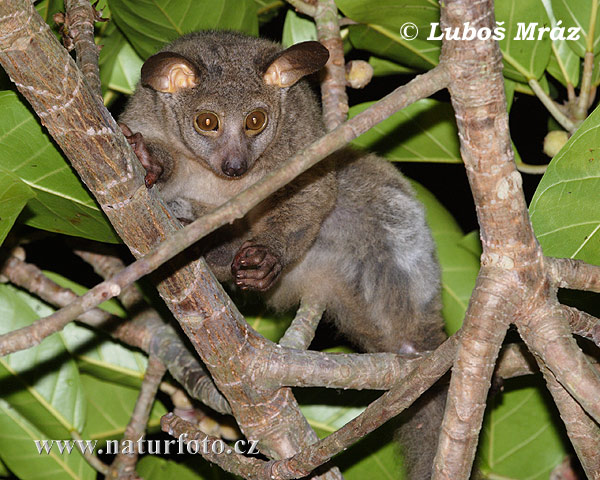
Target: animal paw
255,267
136,140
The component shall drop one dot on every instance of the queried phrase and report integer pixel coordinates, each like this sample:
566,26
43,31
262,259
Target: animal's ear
294,63
169,72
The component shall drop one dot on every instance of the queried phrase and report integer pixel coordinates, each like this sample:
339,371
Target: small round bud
554,141
358,73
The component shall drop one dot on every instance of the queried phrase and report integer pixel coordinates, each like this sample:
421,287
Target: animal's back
373,262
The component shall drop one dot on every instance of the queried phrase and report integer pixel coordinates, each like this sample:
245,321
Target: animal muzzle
234,167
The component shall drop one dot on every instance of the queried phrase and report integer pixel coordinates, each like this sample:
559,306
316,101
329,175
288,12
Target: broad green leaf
422,132
393,14
104,358
154,468
564,64
520,438
42,383
297,29
110,406
150,24
596,71
460,264
120,66
580,14
96,353
111,306
524,58
564,210
20,453
382,67
388,43
13,197
61,202
472,243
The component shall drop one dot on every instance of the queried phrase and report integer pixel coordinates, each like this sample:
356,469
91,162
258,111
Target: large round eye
256,121
207,122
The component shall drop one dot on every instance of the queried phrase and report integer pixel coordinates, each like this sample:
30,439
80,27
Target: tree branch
390,404
244,466
79,20
333,84
548,337
301,332
582,430
574,274
583,324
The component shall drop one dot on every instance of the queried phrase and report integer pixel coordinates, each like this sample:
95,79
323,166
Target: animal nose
234,167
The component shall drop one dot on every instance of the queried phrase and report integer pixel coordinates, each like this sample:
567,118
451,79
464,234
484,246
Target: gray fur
348,232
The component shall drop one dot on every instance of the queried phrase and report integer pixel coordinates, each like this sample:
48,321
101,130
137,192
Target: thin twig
123,465
233,462
420,87
304,7
552,107
302,329
583,101
89,457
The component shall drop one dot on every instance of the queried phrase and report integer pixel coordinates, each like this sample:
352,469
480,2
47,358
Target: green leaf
387,43
422,132
268,9
111,306
120,66
520,438
150,24
112,405
382,67
564,64
564,210
297,29
375,456
104,358
13,197
19,451
61,202
580,14
509,91
270,326
460,265
42,383
524,59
